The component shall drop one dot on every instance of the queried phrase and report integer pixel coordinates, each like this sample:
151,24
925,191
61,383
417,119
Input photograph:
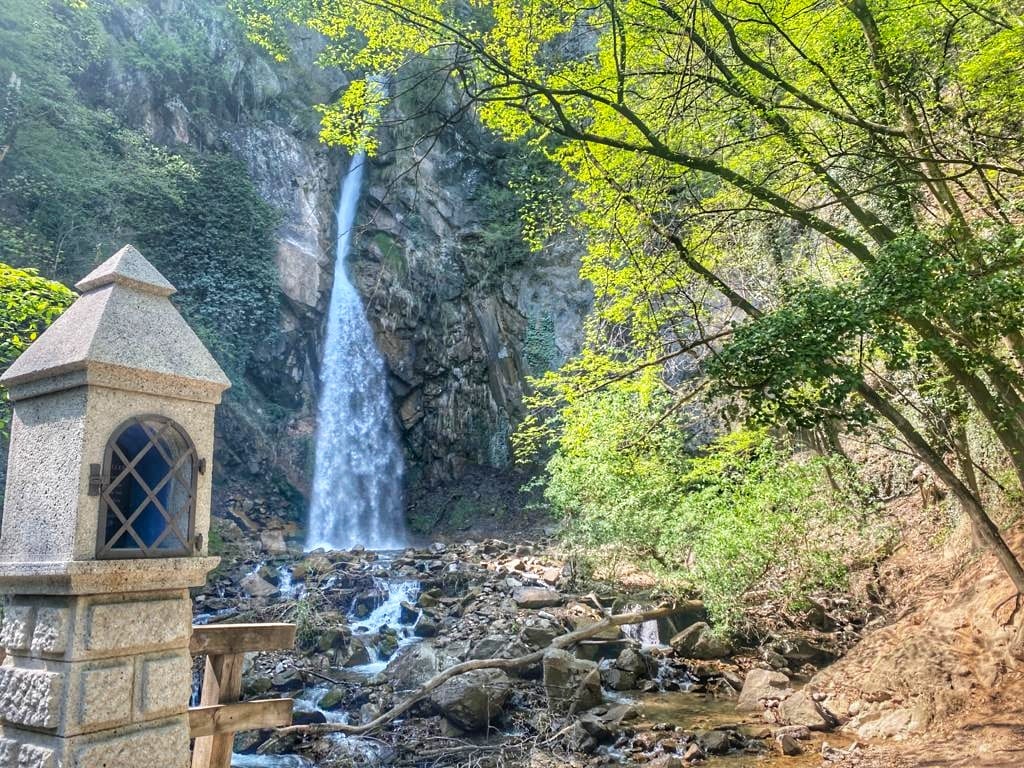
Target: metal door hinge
96,482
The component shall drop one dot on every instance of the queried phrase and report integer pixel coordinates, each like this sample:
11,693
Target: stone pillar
113,407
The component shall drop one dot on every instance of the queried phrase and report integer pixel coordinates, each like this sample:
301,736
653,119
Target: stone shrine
105,526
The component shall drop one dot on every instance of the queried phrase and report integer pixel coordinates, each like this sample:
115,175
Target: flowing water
357,478
270,761
387,615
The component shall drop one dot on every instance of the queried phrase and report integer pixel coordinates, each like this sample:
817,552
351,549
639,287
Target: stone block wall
86,675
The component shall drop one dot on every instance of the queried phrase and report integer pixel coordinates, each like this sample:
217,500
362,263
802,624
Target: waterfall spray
357,477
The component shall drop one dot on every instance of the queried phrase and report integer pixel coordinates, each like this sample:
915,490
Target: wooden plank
243,716
222,639
222,684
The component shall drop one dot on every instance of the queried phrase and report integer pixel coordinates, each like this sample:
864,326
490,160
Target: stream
386,616
467,597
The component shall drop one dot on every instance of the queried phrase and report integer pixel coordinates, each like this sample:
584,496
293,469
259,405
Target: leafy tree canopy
809,211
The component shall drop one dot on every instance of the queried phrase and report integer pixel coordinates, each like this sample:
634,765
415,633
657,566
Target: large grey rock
699,642
571,684
537,597
273,542
256,586
630,660
539,634
759,685
473,700
414,665
618,679
714,742
802,709
358,653
498,647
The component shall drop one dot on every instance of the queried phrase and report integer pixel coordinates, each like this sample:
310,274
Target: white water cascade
357,477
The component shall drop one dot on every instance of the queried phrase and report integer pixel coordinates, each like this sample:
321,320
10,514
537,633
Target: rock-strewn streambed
374,627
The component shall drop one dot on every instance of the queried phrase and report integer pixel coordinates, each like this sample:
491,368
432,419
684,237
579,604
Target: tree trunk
987,530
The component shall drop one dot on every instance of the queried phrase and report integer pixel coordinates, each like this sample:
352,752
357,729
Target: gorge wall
461,310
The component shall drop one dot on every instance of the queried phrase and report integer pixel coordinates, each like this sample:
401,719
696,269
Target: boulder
473,700
287,680
408,614
498,647
693,753
540,634
698,641
256,586
788,745
413,666
387,644
581,616
714,742
537,597
802,709
607,725
427,626
576,739
269,574
893,723
429,599
572,684
667,761
366,602
618,679
257,685
358,653
308,717
334,637
273,543
630,660
762,684
334,697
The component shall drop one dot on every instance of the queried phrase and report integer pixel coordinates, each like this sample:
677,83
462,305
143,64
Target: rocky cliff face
463,311
459,321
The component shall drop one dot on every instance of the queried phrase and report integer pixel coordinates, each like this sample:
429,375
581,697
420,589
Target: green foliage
799,364
28,304
216,244
736,515
308,623
76,184
539,350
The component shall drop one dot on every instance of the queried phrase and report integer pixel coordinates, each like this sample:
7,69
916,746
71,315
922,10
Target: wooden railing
220,714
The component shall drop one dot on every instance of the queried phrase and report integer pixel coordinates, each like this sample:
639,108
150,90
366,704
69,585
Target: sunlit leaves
28,304
739,514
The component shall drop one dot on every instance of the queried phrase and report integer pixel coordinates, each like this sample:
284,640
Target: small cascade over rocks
646,633
357,475
395,618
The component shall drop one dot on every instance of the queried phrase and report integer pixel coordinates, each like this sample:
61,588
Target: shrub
28,304
740,513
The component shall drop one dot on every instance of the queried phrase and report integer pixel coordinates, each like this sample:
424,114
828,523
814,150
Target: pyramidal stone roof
129,268
123,332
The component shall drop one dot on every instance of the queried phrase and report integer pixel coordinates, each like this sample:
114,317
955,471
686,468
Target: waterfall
357,477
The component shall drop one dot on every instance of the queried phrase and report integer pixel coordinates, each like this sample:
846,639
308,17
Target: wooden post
219,716
222,684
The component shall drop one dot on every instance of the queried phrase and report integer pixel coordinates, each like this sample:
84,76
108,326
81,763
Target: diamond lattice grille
147,506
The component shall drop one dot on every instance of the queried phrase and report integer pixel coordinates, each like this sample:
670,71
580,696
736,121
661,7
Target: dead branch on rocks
562,641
